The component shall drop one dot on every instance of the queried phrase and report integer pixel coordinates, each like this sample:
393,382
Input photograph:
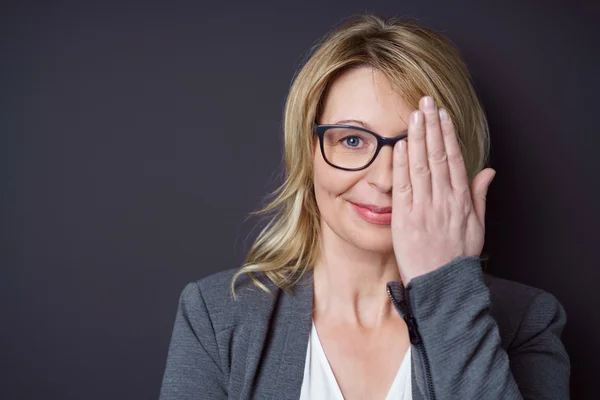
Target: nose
379,174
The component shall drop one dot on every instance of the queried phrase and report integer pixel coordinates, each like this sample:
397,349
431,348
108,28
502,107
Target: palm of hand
435,215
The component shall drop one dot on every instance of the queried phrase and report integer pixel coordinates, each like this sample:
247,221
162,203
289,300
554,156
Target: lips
373,214
375,209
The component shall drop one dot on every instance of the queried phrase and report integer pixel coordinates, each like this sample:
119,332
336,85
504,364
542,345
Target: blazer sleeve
193,370
538,359
457,348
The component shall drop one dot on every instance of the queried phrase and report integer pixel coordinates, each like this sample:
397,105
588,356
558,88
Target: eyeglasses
351,148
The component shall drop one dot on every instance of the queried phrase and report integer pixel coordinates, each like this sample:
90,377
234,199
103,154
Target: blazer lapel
297,315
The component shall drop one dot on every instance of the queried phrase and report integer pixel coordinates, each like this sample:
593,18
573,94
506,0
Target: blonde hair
418,62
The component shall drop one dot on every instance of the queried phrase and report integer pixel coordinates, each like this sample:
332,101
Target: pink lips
373,214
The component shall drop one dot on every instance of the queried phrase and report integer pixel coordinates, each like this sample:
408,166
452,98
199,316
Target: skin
435,217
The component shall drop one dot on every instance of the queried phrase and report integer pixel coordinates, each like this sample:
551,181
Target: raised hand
435,215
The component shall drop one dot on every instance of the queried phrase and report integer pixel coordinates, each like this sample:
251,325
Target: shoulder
522,310
213,296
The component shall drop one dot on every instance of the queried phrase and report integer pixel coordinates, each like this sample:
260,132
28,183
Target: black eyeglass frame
381,141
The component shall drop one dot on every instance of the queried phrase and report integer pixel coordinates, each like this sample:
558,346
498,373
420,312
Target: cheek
330,183
331,194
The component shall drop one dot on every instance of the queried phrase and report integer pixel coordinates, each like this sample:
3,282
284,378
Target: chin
380,248
374,239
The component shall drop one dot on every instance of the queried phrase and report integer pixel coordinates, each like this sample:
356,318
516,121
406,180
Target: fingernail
443,115
428,103
416,118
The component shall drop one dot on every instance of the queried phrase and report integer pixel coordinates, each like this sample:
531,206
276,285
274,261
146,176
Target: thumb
481,184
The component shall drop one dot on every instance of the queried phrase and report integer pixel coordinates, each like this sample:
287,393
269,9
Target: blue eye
352,141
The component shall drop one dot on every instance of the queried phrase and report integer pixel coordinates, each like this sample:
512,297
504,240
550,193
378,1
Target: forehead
365,94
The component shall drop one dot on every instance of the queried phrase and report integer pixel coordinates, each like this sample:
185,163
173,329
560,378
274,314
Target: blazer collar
297,313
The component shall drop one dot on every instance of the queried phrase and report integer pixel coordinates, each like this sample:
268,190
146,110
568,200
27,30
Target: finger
420,175
456,164
436,150
402,188
479,189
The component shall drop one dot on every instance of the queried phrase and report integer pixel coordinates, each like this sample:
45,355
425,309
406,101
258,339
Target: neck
350,283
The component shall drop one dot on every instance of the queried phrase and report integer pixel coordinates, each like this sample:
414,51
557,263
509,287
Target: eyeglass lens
348,148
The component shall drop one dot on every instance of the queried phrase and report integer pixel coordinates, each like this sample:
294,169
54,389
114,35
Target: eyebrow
364,125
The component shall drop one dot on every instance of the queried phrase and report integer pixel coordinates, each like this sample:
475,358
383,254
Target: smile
372,214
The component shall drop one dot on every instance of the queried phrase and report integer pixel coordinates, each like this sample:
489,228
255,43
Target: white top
320,383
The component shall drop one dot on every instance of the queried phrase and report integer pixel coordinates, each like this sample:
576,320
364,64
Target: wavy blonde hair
418,62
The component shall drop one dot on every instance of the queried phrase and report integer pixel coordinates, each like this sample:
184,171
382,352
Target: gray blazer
473,336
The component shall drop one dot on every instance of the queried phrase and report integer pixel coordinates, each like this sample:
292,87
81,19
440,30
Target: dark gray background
136,137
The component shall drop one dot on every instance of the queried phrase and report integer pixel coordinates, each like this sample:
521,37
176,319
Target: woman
370,274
